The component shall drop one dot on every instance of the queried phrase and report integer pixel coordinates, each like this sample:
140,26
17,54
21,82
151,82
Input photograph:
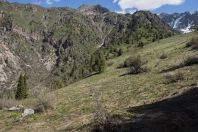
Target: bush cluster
193,44
191,60
188,61
135,65
44,103
114,52
58,84
172,78
98,62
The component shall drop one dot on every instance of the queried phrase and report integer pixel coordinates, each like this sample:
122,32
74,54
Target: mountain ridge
54,41
183,22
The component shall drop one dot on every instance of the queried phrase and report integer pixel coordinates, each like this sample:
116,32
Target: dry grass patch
193,44
7,103
174,77
44,103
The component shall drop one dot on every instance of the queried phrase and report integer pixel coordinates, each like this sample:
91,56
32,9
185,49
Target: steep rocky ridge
53,44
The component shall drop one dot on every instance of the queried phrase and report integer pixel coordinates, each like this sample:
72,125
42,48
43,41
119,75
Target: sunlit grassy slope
74,103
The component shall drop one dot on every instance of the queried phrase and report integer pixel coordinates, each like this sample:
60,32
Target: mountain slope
116,93
49,44
183,22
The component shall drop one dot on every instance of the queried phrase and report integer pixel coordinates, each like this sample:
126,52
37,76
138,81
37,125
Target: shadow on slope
177,114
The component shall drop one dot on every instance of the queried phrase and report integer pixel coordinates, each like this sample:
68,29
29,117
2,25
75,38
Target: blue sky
123,6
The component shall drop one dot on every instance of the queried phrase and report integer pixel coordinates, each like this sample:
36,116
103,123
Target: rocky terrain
49,43
183,22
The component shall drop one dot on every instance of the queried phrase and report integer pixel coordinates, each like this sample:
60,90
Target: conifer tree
21,92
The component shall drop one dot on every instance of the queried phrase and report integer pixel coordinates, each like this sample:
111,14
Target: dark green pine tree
21,92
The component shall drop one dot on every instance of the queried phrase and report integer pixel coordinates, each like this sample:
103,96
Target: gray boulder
27,112
14,109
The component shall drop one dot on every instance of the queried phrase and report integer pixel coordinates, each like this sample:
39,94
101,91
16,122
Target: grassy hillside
114,91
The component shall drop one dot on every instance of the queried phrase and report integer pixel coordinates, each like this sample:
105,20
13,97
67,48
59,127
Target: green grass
74,103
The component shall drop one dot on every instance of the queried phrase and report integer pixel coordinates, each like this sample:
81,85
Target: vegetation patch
44,103
22,89
7,103
98,62
135,65
193,44
57,84
173,77
191,60
188,61
163,56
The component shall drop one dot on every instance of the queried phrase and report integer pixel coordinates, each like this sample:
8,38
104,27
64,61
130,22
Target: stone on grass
27,112
14,109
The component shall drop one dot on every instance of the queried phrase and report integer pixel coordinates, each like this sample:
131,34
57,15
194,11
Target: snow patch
177,21
187,29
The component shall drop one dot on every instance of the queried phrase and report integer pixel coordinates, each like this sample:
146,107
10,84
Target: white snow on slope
177,21
187,29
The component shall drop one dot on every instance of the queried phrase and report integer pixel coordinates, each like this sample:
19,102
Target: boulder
14,109
27,112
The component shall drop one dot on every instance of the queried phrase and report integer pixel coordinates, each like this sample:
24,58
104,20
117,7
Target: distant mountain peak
92,9
183,22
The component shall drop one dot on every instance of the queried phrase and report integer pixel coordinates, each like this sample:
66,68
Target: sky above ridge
123,6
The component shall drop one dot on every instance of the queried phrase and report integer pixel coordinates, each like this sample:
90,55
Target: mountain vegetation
193,44
98,62
89,69
54,46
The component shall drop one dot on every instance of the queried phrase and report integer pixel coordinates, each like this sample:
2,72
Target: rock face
54,45
183,22
93,10
9,67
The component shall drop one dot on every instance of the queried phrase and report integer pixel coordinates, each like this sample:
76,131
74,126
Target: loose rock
14,109
27,112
